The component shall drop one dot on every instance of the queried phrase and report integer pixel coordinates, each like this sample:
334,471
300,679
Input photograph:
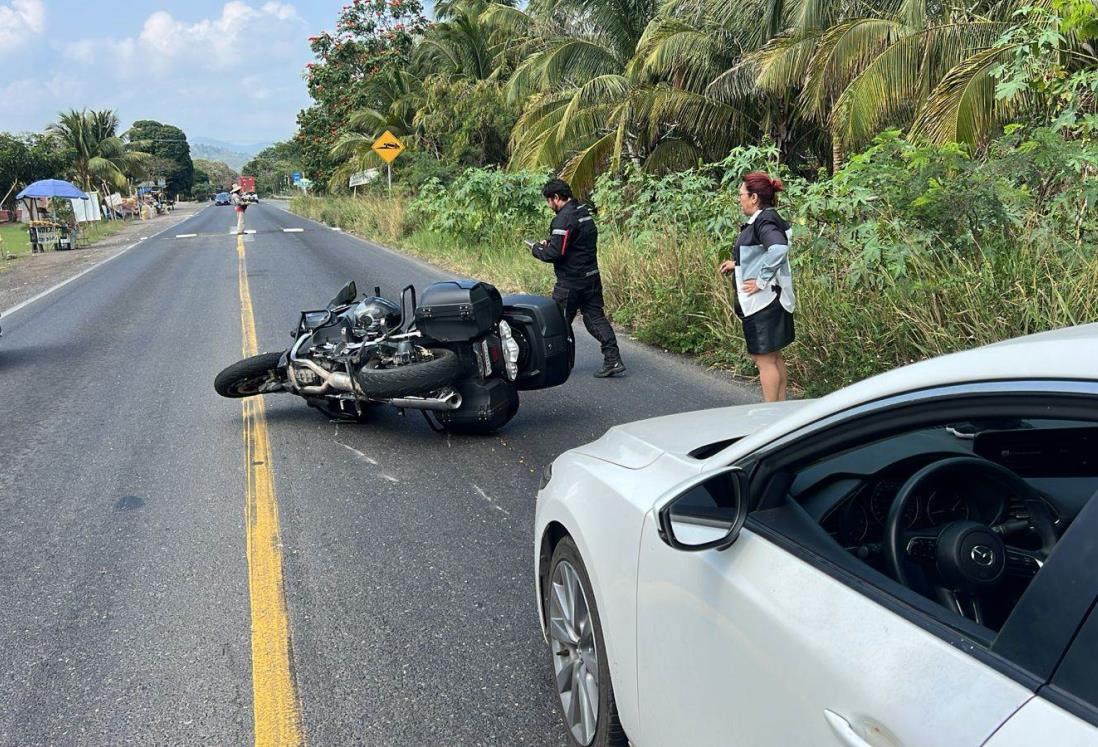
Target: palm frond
736,84
903,74
842,53
581,170
673,155
784,62
964,107
533,140
691,57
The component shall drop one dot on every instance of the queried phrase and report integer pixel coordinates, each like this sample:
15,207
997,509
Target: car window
1076,676
983,505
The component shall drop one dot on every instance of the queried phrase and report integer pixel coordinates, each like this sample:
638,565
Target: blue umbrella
51,188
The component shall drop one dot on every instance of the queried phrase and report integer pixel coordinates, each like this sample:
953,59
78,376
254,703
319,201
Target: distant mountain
233,154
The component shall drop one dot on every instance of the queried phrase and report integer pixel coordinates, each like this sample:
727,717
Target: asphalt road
407,555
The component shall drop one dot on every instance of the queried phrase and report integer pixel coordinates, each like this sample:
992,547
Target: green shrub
910,251
482,203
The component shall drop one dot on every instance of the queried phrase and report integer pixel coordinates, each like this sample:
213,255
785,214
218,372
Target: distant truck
247,188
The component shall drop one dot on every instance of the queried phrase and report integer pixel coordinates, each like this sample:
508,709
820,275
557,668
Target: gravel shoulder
28,276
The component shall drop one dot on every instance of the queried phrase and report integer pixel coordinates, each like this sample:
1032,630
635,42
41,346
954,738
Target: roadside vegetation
907,252
940,159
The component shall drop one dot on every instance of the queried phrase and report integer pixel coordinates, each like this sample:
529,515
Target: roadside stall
44,231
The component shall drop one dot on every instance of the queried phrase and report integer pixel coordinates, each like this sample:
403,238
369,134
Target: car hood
637,445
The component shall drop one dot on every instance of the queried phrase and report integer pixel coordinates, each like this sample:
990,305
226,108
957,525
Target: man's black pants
586,298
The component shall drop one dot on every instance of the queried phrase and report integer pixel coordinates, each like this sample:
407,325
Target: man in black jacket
572,250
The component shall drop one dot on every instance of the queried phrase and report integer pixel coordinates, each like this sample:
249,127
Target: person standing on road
239,205
572,250
764,281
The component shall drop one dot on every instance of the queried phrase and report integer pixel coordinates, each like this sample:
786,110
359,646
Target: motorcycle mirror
346,295
407,312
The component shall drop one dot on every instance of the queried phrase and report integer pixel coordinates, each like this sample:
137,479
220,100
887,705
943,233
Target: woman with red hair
764,282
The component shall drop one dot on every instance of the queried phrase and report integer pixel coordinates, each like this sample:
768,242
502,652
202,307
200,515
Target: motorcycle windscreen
346,295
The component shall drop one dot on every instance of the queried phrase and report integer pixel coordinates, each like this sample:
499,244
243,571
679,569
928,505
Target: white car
912,560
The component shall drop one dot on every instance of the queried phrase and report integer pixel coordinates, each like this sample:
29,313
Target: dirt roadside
26,277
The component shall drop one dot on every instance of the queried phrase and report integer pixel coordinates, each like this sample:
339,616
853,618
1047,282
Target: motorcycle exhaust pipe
339,381
330,380
451,401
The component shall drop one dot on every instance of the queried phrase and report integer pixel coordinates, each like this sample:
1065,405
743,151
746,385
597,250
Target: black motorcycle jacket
572,245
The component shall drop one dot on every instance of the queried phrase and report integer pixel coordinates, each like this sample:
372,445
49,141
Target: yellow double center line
277,716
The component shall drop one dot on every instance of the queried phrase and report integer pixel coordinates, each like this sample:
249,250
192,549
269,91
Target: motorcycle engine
400,354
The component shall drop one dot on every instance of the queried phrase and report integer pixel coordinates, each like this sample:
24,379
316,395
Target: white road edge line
82,273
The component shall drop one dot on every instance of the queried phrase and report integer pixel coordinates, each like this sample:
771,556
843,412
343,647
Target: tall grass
668,293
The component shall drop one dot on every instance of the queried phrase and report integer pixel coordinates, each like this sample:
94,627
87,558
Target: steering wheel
965,561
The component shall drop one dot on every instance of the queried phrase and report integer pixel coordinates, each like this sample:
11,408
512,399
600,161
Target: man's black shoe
610,369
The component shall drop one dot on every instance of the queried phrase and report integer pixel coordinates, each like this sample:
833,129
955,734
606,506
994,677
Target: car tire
571,661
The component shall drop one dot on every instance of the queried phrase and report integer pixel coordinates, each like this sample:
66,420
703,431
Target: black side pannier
458,310
547,345
485,406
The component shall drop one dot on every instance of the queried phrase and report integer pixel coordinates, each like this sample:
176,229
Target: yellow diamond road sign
388,147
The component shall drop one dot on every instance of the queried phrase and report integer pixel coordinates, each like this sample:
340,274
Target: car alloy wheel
575,653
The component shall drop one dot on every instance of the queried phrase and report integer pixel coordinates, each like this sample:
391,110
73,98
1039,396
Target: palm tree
806,71
598,93
905,63
100,155
706,48
462,44
396,95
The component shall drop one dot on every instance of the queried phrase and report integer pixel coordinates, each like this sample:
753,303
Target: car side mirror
708,513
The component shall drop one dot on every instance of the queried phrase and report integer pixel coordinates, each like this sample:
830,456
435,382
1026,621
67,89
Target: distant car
222,198
908,561
251,197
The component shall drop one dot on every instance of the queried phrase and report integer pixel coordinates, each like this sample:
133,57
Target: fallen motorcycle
460,354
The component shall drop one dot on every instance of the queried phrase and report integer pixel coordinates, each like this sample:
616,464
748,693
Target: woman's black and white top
762,254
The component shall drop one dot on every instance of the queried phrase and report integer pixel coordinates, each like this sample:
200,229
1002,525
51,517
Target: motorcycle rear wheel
245,378
412,379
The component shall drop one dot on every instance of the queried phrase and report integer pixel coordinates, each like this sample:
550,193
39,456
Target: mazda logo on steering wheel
983,555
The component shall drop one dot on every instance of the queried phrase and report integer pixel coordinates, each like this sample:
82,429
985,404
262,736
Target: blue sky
229,70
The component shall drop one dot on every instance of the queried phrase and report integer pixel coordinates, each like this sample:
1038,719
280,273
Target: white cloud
240,69
19,20
242,33
47,94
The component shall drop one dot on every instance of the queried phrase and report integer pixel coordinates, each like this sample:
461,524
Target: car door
754,646
763,643
1065,711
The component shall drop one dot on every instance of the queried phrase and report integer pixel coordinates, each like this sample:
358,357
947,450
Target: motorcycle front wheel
248,377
